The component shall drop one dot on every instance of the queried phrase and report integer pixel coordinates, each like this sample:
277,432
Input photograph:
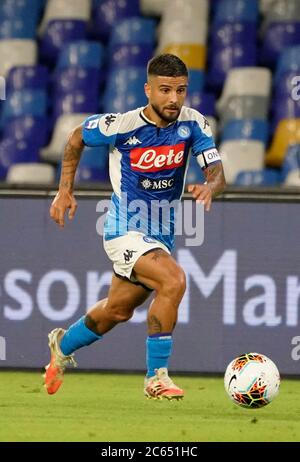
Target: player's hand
202,193
59,206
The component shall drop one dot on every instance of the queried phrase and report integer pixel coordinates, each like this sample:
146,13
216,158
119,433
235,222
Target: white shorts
125,250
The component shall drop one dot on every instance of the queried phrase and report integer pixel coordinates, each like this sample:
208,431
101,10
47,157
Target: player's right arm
65,199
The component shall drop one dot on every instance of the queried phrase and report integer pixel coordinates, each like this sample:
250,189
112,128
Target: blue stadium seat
27,128
82,53
233,45
130,55
284,107
77,79
123,102
126,79
196,80
35,77
12,152
77,102
107,12
291,160
91,174
57,34
18,28
289,61
246,129
95,157
278,36
194,173
202,102
286,83
13,9
24,102
236,11
135,31
265,177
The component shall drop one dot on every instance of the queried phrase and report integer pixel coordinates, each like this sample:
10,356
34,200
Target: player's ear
147,88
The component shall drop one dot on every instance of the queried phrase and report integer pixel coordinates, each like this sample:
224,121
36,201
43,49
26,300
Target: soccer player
147,162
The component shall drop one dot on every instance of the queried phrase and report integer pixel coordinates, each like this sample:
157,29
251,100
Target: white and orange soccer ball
252,380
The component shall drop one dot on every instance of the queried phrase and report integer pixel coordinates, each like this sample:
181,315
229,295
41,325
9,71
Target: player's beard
163,116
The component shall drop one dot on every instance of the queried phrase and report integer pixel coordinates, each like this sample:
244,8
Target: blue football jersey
147,167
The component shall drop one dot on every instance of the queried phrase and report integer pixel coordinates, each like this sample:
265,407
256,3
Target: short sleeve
100,129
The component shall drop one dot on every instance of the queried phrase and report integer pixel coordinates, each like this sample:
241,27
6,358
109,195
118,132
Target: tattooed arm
64,199
215,184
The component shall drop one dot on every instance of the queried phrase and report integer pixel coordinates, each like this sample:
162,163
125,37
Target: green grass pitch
111,407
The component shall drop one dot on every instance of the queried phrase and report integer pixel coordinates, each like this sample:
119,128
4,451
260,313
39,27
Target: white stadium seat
241,155
31,173
152,7
63,127
65,9
242,81
17,52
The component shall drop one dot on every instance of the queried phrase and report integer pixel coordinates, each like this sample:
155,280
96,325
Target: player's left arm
214,185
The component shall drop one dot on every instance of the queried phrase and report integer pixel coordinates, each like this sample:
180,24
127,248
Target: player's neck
151,115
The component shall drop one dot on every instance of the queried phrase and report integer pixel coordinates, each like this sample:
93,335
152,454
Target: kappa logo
132,141
128,255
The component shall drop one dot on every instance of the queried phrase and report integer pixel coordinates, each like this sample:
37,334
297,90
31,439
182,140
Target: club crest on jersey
154,159
184,131
155,184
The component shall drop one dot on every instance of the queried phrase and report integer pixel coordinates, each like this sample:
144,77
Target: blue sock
159,348
77,336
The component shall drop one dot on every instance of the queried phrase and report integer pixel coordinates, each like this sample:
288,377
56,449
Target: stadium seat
278,36
12,9
126,79
57,34
246,129
125,101
17,28
233,46
12,152
82,53
24,102
245,107
130,55
239,155
95,157
236,11
17,52
107,13
265,177
291,166
242,82
91,175
194,56
76,79
289,61
31,173
285,107
63,127
190,17
153,7
195,173
202,102
21,77
286,134
133,31
27,128
196,81
76,102
65,10
283,10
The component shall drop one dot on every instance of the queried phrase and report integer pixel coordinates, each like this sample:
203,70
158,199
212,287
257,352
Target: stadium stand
66,60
